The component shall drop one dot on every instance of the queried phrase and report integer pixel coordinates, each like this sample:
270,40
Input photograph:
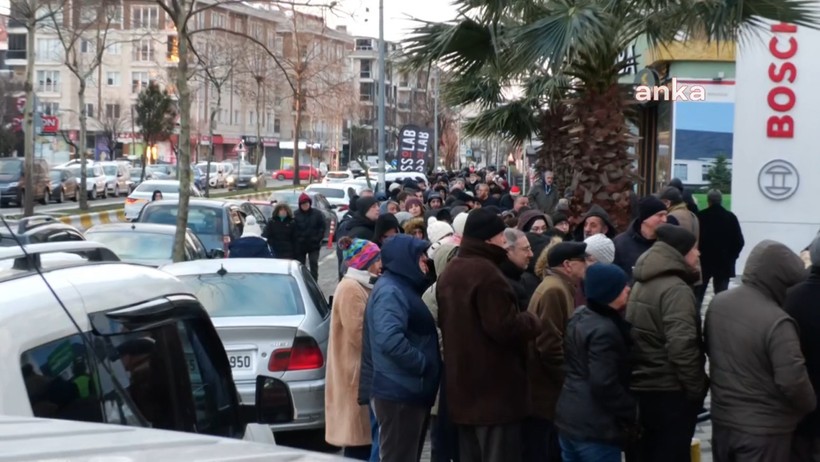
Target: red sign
781,98
51,124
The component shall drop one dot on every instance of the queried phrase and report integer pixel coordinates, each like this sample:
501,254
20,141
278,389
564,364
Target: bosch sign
782,98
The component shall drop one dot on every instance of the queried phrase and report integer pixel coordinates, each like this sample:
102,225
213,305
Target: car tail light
304,355
129,200
226,244
343,208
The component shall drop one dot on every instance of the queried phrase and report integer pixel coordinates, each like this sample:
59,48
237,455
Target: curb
87,220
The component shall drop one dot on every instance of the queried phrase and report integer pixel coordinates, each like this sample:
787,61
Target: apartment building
234,70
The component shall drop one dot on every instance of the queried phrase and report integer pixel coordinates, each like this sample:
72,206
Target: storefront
774,180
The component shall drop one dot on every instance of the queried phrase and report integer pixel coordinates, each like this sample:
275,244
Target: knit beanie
483,224
358,253
437,230
814,251
458,223
363,204
649,206
672,194
601,248
402,217
604,282
682,240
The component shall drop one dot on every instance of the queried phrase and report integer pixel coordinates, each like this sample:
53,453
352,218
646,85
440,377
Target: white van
120,343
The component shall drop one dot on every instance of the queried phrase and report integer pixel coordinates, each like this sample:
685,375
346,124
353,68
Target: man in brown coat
553,303
485,345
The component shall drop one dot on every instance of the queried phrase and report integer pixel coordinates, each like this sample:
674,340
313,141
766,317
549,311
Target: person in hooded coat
387,226
281,232
401,350
595,221
251,244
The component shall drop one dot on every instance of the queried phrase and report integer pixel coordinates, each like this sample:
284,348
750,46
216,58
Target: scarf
363,277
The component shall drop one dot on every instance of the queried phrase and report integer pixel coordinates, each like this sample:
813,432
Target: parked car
37,229
136,177
320,203
246,177
12,181
145,192
95,180
273,320
198,176
216,222
219,172
338,176
337,195
148,244
266,207
63,185
117,178
305,172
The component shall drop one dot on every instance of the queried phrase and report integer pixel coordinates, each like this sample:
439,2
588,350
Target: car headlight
230,179
14,184
254,180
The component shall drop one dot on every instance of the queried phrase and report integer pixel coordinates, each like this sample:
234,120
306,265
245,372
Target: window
143,50
238,294
250,117
88,15
366,91
144,17
112,79
113,49
237,24
366,69
112,111
199,21
137,246
364,44
115,13
172,53
280,46
256,31
50,108
681,171
139,82
277,125
271,40
48,81
236,117
218,20
89,110
49,50
87,46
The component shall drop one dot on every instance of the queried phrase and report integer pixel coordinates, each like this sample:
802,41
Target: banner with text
415,148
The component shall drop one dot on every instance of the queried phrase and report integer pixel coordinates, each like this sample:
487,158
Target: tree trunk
260,150
211,134
184,151
28,132
297,128
81,147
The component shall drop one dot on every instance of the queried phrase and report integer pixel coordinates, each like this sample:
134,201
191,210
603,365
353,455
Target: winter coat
595,211
595,402
686,219
249,247
523,283
760,385
721,241
355,226
544,200
485,338
347,423
668,353
400,336
310,229
629,245
553,302
801,305
282,237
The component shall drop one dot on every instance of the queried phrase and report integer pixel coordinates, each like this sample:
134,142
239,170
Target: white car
219,173
145,192
95,181
338,176
336,194
117,178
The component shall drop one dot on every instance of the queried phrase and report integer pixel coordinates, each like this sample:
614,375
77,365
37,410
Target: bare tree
83,35
260,77
111,127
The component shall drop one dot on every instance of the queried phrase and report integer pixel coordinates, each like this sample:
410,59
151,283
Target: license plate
241,360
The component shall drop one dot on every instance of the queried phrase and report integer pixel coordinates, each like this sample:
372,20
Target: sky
397,14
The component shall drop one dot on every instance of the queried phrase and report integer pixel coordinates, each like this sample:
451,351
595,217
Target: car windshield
289,197
135,246
334,176
110,170
247,171
201,220
136,172
55,175
164,188
247,294
329,192
10,167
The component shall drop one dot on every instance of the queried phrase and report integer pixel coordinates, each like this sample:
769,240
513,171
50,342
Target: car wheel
46,196
280,177
93,194
61,196
105,192
117,190
76,194
22,199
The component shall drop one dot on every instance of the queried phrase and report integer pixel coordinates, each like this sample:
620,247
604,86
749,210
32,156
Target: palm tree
562,56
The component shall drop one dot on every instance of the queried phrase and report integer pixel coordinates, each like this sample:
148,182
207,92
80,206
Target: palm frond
462,47
482,89
516,122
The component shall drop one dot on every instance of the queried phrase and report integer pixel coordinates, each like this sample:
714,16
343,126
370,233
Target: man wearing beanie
596,407
764,390
483,330
553,303
640,236
668,375
600,249
310,231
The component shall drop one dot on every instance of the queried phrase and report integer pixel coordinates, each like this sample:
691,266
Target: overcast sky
396,13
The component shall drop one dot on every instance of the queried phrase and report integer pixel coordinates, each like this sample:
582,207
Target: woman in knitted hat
595,406
347,424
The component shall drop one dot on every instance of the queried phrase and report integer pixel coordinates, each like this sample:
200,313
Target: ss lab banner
414,148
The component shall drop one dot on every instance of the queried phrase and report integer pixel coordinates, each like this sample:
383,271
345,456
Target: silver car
273,321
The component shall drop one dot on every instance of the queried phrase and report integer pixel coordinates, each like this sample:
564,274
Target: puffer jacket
400,341
595,403
668,352
759,381
629,246
250,247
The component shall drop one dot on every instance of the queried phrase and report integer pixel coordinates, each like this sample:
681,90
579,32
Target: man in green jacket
668,374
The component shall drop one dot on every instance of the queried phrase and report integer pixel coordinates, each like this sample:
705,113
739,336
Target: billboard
415,149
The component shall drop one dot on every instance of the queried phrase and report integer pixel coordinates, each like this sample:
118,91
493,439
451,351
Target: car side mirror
273,403
216,253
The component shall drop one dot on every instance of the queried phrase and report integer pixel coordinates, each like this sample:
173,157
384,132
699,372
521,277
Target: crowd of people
510,330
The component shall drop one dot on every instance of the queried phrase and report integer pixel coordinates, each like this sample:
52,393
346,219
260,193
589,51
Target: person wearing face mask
347,423
668,374
280,232
401,350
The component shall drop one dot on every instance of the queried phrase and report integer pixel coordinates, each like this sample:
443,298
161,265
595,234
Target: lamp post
381,144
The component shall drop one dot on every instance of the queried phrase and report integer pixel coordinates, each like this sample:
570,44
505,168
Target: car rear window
136,246
338,175
164,188
329,192
201,220
247,294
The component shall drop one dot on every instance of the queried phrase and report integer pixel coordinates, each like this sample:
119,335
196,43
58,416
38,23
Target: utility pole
435,122
382,161
31,107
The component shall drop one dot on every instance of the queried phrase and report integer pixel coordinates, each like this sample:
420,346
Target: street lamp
381,145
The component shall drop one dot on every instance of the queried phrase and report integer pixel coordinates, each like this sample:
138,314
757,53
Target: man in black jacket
721,241
310,230
360,225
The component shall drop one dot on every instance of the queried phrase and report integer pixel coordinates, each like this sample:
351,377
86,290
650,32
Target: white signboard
776,168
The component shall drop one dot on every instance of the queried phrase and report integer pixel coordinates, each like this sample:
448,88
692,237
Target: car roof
136,227
214,203
232,265
161,181
28,438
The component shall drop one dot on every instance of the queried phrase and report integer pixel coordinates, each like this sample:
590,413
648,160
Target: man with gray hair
721,241
519,253
544,195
